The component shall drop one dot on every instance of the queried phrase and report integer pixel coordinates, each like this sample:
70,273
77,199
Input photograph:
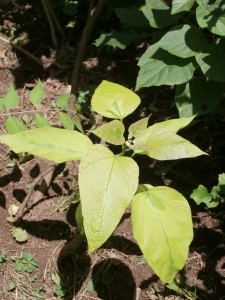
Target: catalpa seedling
109,183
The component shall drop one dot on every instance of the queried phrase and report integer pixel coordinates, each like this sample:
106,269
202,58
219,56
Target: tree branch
27,198
31,56
51,24
92,18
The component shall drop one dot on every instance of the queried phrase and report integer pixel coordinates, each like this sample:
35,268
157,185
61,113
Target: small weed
19,275
59,290
65,201
19,234
26,263
11,164
182,291
2,257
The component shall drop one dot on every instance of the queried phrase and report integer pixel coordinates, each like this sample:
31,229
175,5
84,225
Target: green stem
124,148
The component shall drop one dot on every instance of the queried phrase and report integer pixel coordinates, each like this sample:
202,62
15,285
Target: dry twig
26,200
28,54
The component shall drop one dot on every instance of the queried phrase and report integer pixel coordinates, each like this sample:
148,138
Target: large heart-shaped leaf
55,144
127,15
212,17
162,226
212,62
107,185
198,96
160,143
112,100
183,41
120,39
164,68
111,132
136,129
159,14
175,125
181,5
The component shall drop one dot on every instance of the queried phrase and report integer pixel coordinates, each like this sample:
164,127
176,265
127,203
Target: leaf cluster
190,55
186,49
35,117
210,199
109,183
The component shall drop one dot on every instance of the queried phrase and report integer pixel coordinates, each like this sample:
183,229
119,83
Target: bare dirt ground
117,270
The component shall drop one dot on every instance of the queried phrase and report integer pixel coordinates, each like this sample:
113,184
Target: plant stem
94,13
124,149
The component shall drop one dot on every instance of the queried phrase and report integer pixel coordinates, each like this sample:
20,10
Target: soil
118,269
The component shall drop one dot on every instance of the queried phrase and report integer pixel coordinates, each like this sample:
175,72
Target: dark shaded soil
117,270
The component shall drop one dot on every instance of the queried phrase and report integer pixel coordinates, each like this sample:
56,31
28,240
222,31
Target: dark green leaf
212,62
164,68
198,96
183,41
181,5
120,39
127,15
212,16
159,14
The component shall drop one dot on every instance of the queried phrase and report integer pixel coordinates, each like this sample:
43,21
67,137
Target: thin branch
55,20
31,56
94,14
27,198
51,24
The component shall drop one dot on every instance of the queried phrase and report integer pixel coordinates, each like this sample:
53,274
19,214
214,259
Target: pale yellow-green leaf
55,144
107,185
143,188
162,144
79,219
114,101
163,228
13,209
175,125
136,129
111,132
19,234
